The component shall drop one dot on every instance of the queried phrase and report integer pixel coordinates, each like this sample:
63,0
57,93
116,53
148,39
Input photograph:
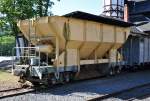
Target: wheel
61,78
118,70
72,76
67,77
111,72
51,80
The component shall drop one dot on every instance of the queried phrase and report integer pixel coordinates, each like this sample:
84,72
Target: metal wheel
61,78
67,77
111,72
72,76
53,81
118,70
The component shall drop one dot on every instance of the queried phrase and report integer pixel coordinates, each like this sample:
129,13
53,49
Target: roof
141,7
100,19
135,31
138,18
145,27
141,21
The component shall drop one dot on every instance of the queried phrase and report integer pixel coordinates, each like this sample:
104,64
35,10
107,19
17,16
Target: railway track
77,89
145,93
123,94
141,97
14,92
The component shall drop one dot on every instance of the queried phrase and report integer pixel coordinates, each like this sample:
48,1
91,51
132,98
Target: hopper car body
78,45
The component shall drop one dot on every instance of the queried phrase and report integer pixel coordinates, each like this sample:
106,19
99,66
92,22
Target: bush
6,45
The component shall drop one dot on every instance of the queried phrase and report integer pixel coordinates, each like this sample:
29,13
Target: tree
15,10
43,7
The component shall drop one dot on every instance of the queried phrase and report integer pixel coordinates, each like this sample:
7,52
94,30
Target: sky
67,6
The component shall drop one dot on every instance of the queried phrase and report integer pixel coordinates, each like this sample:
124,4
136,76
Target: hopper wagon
77,45
136,50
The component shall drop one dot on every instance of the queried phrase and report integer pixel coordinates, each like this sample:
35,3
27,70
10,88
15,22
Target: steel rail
7,90
103,97
139,97
14,92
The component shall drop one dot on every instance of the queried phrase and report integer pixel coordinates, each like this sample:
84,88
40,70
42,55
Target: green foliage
42,7
5,28
14,10
6,45
7,39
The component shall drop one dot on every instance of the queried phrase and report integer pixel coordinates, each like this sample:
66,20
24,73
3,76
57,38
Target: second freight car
136,50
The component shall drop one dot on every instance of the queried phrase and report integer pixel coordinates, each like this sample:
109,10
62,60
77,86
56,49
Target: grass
7,77
6,45
7,39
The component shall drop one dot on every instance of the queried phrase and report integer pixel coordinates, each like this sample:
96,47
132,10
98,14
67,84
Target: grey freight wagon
136,51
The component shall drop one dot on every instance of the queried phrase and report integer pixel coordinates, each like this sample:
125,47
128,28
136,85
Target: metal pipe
57,57
47,58
78,62
95,56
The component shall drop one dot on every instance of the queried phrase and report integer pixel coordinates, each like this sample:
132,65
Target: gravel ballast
83,91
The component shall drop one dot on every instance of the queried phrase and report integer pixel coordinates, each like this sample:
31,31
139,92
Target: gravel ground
83,91
8,85
8,81
135,94
146,99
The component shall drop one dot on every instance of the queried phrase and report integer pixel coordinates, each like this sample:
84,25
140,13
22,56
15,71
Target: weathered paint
80,39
